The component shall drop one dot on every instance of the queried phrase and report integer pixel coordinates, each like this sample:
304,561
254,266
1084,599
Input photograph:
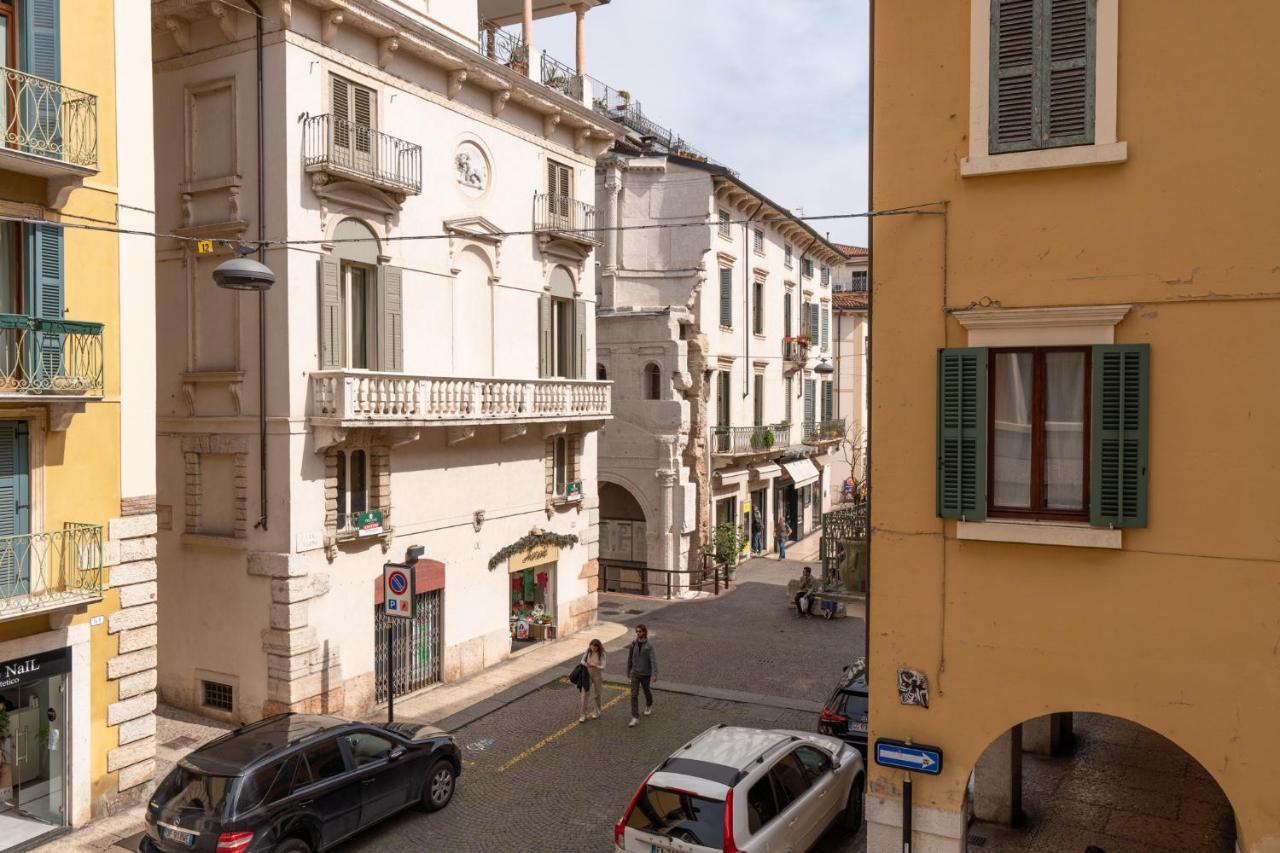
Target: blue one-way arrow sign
903,756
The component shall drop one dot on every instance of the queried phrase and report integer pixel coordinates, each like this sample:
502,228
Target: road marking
556,735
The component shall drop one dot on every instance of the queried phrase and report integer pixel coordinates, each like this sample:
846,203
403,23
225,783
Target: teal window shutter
390,318
808,402
41,49
826,327
46,291
827,407
962,433
333,316
1119,436
813,330
1042,74
726,296
15,506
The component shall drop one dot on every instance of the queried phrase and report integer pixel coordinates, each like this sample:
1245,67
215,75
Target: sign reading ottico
32,667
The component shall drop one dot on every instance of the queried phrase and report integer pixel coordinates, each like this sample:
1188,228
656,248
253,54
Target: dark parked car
845,714
298,783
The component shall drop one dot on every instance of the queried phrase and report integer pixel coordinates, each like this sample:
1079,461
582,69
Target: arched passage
1087,781
624,528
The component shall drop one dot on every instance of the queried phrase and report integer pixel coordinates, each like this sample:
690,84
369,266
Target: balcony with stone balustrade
342,400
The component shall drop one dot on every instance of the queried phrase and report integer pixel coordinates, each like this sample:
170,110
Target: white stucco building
718,341
852,337
429,346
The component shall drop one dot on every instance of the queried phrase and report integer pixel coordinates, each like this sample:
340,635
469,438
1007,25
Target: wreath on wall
533,540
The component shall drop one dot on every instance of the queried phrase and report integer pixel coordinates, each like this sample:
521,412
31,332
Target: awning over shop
733,477
765,472
802,471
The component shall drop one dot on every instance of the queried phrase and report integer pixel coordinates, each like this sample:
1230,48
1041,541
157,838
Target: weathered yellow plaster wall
1179,630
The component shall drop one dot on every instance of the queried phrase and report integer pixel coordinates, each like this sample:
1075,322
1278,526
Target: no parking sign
397,590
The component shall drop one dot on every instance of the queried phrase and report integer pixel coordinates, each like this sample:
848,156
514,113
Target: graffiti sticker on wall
913,687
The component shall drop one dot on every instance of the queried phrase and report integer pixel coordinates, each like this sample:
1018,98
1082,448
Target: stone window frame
573,469
193,448
378,453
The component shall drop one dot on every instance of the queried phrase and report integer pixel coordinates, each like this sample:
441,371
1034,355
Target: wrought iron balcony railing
363,397
796,350
565,215
560,77
353,151
50,357
742,441
42,571
822,432
503,47
49,120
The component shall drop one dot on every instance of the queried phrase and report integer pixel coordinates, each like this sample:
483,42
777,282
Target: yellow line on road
554,736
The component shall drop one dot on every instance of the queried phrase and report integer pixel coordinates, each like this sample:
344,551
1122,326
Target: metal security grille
415,644
218,696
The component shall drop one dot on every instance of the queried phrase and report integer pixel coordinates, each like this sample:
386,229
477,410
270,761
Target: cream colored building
429,347
1074,406
716,333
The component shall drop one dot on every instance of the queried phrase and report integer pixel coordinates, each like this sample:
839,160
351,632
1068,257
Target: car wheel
852,817
292,845
438,790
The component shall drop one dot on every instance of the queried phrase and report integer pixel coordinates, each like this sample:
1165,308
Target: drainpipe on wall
262,294
748,249
871,259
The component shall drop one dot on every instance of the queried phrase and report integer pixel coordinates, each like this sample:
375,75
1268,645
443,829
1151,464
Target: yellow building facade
1074,406
77,497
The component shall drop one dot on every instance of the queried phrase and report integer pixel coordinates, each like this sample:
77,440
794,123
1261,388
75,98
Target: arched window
601,374
652,382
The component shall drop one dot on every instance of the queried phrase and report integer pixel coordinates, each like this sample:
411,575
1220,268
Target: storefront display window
33,745
532,605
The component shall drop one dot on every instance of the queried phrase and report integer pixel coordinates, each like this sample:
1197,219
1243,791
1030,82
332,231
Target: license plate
177,835
660,848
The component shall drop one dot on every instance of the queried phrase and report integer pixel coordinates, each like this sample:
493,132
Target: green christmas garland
532,541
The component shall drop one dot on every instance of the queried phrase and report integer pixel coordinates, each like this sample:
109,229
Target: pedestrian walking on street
804,595
593,660
782,531
642,670
757,532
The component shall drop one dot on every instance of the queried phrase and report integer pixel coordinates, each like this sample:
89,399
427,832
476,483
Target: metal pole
906,815
391,677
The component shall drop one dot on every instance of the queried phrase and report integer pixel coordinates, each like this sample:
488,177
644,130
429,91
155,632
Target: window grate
216,695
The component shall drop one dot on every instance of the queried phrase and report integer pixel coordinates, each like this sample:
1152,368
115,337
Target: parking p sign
397,590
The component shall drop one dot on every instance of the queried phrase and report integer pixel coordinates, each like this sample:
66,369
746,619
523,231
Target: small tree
727,542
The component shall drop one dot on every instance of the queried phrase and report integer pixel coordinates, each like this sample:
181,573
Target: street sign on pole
915,758
397,590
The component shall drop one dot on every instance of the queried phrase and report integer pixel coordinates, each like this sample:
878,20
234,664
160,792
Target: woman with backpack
590,679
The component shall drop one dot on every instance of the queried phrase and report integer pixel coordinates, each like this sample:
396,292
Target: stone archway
624,525
1096,782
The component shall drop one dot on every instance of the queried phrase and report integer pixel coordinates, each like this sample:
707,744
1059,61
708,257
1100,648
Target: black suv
845,714
298,783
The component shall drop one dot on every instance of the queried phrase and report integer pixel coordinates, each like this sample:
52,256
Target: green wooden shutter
1067,72
390,318
786,408
333,316
786,314
1119,436
580,339
809,413
826,327
726,296
758,391
962,433
827,400
341,110
546,341
1012,105
46,295
722,400
41,49
814,330
15,506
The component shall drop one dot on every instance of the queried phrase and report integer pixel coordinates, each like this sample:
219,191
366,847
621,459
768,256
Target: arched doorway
624,563
1097,783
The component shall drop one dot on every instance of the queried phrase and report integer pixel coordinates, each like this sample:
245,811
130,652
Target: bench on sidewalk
829,607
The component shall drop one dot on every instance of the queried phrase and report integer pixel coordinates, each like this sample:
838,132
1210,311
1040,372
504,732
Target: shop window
217,696
353,488
652,382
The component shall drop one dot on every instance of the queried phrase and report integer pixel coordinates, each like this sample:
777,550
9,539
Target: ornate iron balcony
355,152
565,216
44,571
50,357
49,120
822,432
744,441
351,398
561,78
503,47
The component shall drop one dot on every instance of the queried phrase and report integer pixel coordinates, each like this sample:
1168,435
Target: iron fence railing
39,569
47,119
557,212
561,78
711,576
503,47
39,356
818,432
737,441
331,143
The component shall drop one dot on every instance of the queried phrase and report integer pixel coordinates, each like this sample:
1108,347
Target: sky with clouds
775,89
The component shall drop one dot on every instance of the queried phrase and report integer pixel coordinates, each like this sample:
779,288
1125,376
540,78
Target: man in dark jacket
642,670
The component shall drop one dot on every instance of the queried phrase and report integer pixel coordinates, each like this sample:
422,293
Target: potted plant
727,542
624,96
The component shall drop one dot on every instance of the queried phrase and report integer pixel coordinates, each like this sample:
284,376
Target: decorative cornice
1074,315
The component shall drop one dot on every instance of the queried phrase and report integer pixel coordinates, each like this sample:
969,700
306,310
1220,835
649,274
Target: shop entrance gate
415,643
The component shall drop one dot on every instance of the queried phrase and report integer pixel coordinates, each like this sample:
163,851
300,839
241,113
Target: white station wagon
737,790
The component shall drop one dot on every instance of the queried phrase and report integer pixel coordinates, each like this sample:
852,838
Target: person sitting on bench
806,590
